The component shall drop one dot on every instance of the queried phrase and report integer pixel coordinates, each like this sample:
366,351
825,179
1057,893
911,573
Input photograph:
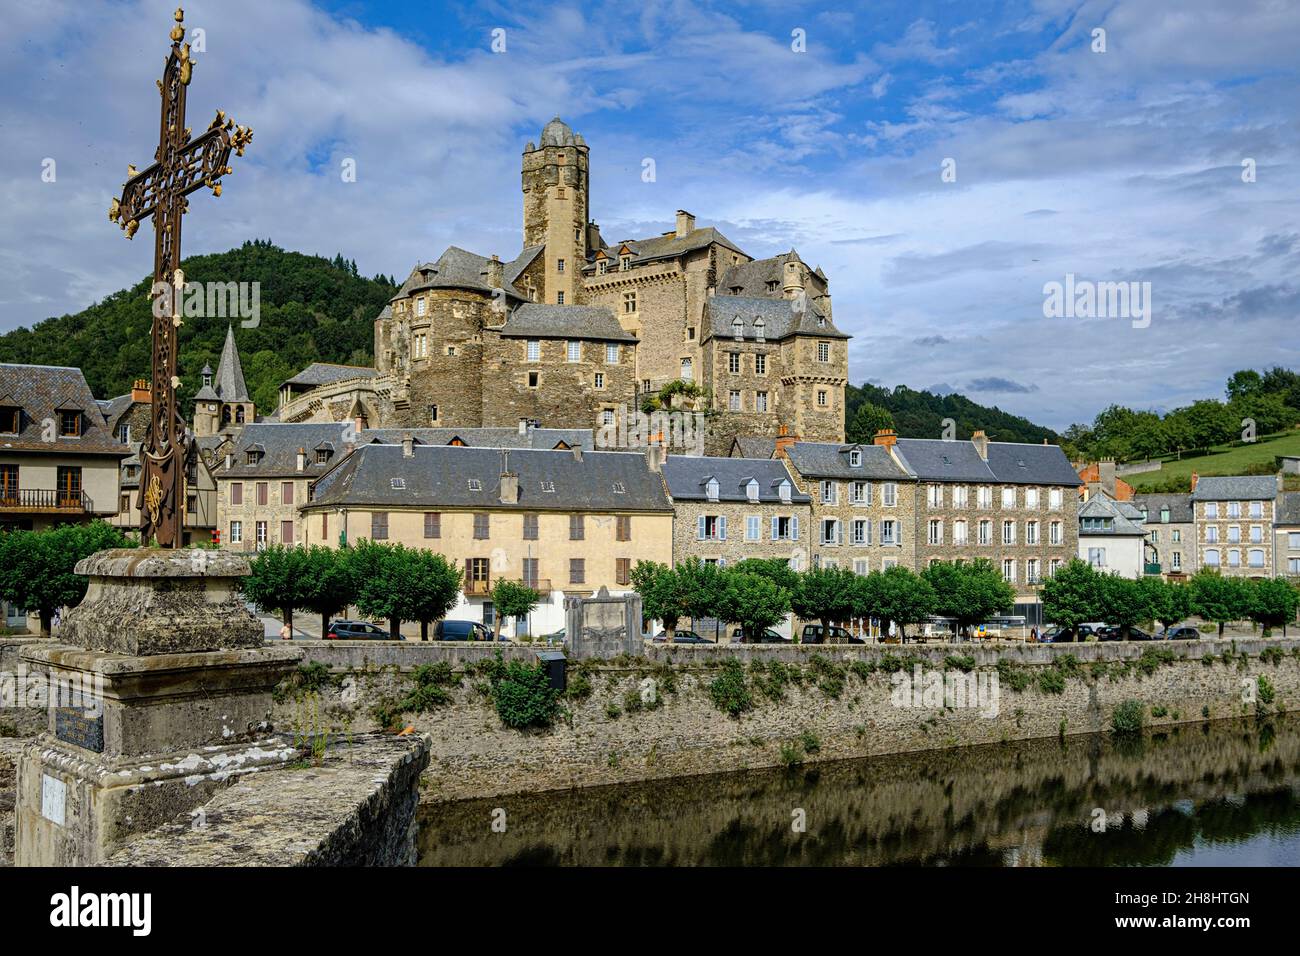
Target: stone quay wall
634,719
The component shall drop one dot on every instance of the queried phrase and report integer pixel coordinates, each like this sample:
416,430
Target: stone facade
1234,524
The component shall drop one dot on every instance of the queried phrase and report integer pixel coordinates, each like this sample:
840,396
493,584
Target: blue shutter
774,531
699,528
722,528
794,527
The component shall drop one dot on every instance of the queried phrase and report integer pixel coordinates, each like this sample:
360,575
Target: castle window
758,329
559,265
433,413
601,265
239,415
760,364
760,401
607,416
733,400
419,306
451,350
575,351
688,372
821,397
420,346
559,298
733,363
629,302
611,353
534,379
823,351
738,329
690,333
534,350
600,380
624,263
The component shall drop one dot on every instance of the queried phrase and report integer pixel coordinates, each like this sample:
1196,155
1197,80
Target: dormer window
70,423
758,329
475,484
624,263
711,489
738,329
601,265
751,490
783,490
855,458
322,456
1164,515
772,285
254,457
11,419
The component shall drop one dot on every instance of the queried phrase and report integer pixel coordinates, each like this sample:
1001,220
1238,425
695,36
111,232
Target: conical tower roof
230,374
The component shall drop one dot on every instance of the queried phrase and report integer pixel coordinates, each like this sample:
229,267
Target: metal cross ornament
181,165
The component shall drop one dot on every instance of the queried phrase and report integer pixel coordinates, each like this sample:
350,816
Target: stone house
863,504
1286,534
59,459
1171,532
1112,537
574,329
1234,523
264,478
563,522
729,509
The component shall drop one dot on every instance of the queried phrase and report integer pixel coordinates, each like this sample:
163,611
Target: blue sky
1123,165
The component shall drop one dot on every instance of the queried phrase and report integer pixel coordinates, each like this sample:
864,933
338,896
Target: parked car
556,637
461,631
1181,632
817,634
1113,632
358,631
682,637
1061,635
767,636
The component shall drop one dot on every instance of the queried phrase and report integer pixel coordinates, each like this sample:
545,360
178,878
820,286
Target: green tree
382,572
36,567
512,599
905,598
699,589
969,593
328,586
1272,602
776,570
825,595
279,580
1217,598
1071,596
867,420
434,588
661,597
753,601
1126,601
1170,603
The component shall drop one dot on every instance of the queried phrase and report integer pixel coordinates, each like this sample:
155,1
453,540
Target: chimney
302,458
523,426
783,442
509,481
577,453
654,457
229,460
887,437
1106,476
496,276
408,446
793,278
685,223
981,443
360,424
140,391
1195,479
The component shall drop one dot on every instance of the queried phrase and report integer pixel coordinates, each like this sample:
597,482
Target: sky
943,163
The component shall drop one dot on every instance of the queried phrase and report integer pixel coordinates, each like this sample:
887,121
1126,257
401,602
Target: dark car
1184,632
817,634
358,631
460,631
766,636
1116,633
682,637
1062,635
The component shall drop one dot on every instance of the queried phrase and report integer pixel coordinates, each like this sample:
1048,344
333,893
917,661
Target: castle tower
555,187
224,403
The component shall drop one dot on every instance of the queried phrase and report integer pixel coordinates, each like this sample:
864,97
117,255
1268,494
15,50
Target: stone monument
603,625
160,693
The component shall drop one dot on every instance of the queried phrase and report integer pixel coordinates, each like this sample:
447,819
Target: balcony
483,588
44,501
1151,568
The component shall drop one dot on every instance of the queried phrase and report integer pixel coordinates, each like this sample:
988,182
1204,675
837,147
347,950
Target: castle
575,331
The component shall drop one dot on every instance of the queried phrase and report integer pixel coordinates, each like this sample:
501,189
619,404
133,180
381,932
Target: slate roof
280,443
515,268
1009,463
1235,488
534,320
229,382
541,439
40,391
324,373
456,268
114,409
1102,506
1179,505
753,446
687,476
668,246
831,460
780,321
753,277
1288,509
439,476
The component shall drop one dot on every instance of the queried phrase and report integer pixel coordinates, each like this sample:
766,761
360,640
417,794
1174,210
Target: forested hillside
312,310
920,414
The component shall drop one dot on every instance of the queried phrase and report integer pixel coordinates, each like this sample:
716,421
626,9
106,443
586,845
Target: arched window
687,371
239,415
225,414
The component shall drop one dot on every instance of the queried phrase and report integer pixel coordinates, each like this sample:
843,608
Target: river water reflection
1221,793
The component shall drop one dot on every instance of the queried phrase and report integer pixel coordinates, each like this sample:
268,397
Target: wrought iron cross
180,166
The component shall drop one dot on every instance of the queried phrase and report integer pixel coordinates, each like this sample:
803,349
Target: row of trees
1271,400
36,567
386,581
1079,593
757,593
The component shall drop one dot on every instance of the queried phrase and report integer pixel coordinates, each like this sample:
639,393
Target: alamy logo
1084,299
73,909
210,300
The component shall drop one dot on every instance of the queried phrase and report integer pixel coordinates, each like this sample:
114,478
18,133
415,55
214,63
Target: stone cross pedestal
604,626
160,690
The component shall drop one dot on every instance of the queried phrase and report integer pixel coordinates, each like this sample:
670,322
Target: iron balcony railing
45,499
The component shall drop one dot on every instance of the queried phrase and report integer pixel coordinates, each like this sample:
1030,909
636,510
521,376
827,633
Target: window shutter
699,528
722,528
794,527
774,531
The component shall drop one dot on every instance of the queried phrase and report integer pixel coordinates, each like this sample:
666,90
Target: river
1218,793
